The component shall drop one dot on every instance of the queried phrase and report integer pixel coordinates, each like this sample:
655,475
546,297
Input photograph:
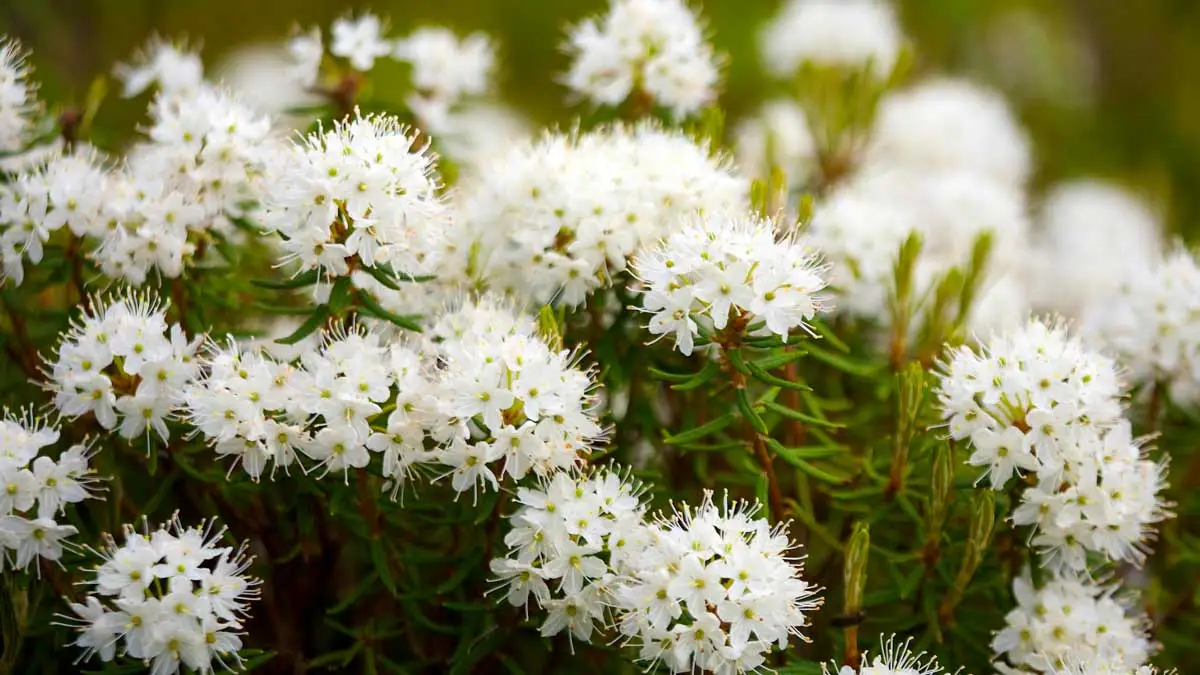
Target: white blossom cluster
36,488
571,540
893,658
1073,668
718,268
364,191
16,96
1093,238
121,363
174,598
777,136
171,67
490,390
67,189
1069,623
1152,323
710,588
1036,402
201,166
843,33
714,589
650,48
559,217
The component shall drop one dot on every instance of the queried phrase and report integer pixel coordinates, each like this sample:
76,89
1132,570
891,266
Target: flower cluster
1153,324
570,541
1035,401
201,167
123,364
713,589
1093,238
66,189
363,192
893,659
173,598
559,217
950,124
490,390
845,33
36,488
1069,622
445,71
720,269
16,96
644,48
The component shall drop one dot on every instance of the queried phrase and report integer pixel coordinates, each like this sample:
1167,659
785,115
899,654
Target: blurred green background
1106,87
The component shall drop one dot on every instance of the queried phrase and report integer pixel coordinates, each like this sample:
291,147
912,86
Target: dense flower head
174,598
847,33
1093,238
16,96
36,487
862,224
201,165
721,270
122,363
715,589
1036,402
364,191
66,189
1152,323
651,48
1107,668
1070,621
777,136
560,216
571,540
950,124
893,658
170,66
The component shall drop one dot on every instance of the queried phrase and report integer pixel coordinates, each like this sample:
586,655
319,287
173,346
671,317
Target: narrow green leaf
748,412
701,378
299,281
314,322
775,381
799,416
381,275
359,591
701,431
781,359
370,306
379,557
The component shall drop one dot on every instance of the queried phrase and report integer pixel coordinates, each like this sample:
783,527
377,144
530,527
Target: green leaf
339,295
381,275
701,378
748,412
314,322
371,307
256,660
850,366
814,472
670,377
359,591
299,281
793,455
379,557
781,359
775,381
799,416
701,431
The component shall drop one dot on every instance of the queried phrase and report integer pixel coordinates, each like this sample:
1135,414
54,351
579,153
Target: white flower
893,659
1152,322
720,268
654,48
558,218
30,539
445,68
364,189
360,41
1070,620
306,52
16,96
950,124
777,136
173,597
171,67
1094,238
850,33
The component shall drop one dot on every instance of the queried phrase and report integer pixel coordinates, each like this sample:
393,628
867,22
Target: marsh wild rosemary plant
821,391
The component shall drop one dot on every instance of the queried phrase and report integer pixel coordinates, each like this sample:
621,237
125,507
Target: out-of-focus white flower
559,217
1070,620
1152,323
16,96
1093,238
850,33
305,52
778,136
719,268
445,67
252,74
359,40
950,124
654,48
170,66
